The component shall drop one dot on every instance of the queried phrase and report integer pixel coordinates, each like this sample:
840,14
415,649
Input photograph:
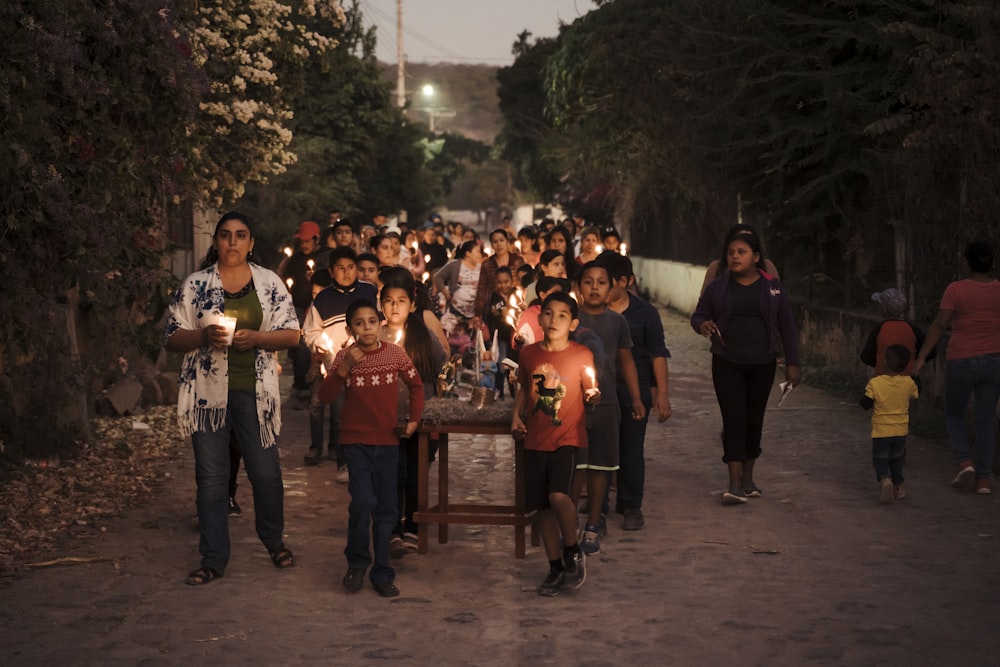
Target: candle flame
589,372
600,248
310,263
415,245
517,244
513,301
325,342
510,320
287,251
621,248
289,282
399,336
425,277
427,259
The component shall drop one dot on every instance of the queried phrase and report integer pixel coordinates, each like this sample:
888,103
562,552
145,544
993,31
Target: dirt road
815,572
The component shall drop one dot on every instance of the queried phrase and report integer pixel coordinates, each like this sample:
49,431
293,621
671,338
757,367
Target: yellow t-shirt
892,395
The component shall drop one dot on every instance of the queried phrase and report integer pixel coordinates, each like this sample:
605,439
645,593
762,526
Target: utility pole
400,58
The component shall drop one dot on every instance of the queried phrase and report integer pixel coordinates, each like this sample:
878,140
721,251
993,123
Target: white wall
673,284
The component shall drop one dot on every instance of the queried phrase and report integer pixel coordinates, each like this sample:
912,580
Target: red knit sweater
370,413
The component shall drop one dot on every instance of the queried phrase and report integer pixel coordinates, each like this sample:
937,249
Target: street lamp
429,93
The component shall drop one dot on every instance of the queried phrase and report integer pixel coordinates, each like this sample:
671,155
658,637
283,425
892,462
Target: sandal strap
202,575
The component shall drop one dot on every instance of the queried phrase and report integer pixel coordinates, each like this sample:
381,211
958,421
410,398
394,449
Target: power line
371,10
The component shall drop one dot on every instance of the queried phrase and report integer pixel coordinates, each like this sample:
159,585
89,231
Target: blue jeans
212,470
888,456
979,376
372,485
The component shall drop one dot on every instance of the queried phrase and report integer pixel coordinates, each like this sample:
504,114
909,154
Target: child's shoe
575,569
411,541
898,493
590,545
983,486
887,492
397,549
965,474
553,583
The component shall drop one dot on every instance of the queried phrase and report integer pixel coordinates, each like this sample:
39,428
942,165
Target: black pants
742,391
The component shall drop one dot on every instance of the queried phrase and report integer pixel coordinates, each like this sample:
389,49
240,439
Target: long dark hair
744,233
571,264
212,256
418,343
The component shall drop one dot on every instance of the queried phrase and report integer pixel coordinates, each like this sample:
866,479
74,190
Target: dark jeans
301,357
632,454
372,512
888,456
408,478
212,473
316,419
742,391
978,377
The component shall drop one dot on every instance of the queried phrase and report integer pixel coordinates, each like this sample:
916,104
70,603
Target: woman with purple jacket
746,314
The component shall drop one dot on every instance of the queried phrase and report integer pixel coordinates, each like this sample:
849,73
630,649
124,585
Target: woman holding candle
746,314
503,255
232,388
458,281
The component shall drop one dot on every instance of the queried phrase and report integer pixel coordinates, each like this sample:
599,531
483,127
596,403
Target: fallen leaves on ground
48,502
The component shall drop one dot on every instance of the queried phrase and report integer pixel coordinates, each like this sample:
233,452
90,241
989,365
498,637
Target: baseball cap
307,230
427,225
892,300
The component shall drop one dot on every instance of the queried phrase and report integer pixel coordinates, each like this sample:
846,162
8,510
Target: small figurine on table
447,378
487,370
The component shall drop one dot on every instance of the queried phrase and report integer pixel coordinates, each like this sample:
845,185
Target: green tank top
249,315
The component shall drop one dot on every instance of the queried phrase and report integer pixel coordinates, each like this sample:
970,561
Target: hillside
469,90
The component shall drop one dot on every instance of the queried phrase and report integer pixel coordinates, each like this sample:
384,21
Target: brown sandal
202,576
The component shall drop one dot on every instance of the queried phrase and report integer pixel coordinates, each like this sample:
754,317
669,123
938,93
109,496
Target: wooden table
444,512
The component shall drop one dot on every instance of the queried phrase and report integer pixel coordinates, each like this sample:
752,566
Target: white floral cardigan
204,377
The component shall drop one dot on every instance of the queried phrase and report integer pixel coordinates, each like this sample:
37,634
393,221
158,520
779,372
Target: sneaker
590,545
887,492
397,549
234,507
898,493
312,457
410,542
552,584
354,579
386,589
343,477
733,497
575,569
983,486
633,519
965,474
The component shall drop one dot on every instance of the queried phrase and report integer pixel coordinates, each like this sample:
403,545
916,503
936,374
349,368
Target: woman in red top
972,363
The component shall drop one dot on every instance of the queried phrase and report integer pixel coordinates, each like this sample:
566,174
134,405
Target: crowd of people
371,315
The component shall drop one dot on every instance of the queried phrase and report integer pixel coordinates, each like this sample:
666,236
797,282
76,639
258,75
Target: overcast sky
466,31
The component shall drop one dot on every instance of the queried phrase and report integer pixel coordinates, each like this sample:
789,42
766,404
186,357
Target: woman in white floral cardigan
231,385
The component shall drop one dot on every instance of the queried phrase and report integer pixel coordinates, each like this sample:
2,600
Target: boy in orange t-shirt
549,414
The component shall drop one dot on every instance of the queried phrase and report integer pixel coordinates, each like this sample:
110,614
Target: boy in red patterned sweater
367,371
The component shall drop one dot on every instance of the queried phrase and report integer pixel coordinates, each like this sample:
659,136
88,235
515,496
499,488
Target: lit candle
589,372
425,277
621,249
415,245
510,320
310,263
487,251
399,337
325,343
513,301
517,244
520,295
287,251
600,248
289,282
427,259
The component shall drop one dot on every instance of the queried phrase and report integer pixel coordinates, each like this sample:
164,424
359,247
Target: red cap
307,230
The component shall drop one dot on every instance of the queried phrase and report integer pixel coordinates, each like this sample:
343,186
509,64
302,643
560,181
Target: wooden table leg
519,509
443,486
423,470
